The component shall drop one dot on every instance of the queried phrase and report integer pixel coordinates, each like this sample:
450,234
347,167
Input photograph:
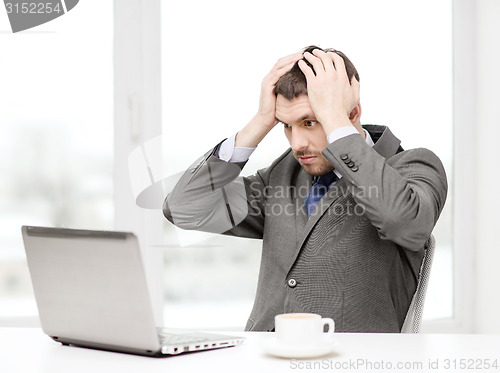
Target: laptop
91,291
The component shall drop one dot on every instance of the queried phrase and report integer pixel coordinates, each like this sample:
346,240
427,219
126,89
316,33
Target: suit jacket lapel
303,184
335,192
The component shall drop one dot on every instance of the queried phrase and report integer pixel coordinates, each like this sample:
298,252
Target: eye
286,126
309,123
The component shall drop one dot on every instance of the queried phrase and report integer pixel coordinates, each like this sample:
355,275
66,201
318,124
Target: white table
28,350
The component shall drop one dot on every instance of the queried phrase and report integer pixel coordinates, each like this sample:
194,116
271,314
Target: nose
298,140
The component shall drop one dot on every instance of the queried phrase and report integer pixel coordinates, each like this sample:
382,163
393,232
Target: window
56,152
56,148
214,56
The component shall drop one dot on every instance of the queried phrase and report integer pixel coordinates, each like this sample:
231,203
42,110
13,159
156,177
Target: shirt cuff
340,133
234,154
346,131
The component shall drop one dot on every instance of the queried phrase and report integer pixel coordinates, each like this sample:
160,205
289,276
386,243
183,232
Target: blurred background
81,93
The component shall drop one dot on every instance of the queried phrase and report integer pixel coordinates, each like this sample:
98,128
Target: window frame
137,119
463,185
147,22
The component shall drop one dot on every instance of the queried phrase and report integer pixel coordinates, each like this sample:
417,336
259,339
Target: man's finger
354,82
355,88
278,73
315,62
339,64
325,59
308,72
284,61
281,71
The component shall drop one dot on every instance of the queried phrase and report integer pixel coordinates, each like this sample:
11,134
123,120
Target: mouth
307,159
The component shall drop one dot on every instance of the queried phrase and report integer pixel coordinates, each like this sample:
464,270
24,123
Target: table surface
29,350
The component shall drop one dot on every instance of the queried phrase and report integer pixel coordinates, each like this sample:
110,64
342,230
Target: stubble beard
320,167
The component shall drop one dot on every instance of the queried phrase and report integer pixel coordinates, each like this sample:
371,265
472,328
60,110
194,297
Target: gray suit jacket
355,259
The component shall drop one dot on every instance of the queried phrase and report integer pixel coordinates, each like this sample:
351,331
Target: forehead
294,110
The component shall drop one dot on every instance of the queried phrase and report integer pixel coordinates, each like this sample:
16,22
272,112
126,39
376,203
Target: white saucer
273,347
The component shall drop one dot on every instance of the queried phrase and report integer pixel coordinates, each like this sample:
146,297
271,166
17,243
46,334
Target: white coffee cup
302,329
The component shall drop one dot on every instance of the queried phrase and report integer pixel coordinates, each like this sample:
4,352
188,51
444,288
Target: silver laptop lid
90,288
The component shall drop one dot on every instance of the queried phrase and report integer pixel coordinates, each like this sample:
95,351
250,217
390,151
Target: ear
355,115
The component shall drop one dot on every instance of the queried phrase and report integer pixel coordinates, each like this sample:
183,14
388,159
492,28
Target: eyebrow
310,116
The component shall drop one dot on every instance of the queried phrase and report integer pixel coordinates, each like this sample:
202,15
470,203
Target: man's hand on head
267,103
265,119
331,96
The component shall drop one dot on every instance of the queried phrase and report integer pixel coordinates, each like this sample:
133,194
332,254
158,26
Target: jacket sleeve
402,196
211,196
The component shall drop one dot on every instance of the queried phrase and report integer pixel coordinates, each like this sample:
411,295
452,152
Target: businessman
344,214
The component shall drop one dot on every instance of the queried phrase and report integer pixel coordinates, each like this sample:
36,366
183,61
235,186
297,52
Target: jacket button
292,283
343,157
355,168
350,164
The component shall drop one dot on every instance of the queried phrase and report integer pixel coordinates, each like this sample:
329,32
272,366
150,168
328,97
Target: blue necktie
318,190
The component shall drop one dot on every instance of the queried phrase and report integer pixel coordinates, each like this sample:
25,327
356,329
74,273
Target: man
344,214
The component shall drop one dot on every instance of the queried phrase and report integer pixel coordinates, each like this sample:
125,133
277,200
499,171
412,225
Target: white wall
476,101
487,157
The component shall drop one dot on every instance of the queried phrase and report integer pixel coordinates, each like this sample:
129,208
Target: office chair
414,315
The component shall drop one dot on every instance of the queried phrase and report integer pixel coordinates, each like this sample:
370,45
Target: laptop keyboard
179,339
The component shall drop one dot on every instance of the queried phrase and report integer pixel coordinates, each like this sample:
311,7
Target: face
305,135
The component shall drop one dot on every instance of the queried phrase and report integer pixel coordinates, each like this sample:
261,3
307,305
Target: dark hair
294,84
